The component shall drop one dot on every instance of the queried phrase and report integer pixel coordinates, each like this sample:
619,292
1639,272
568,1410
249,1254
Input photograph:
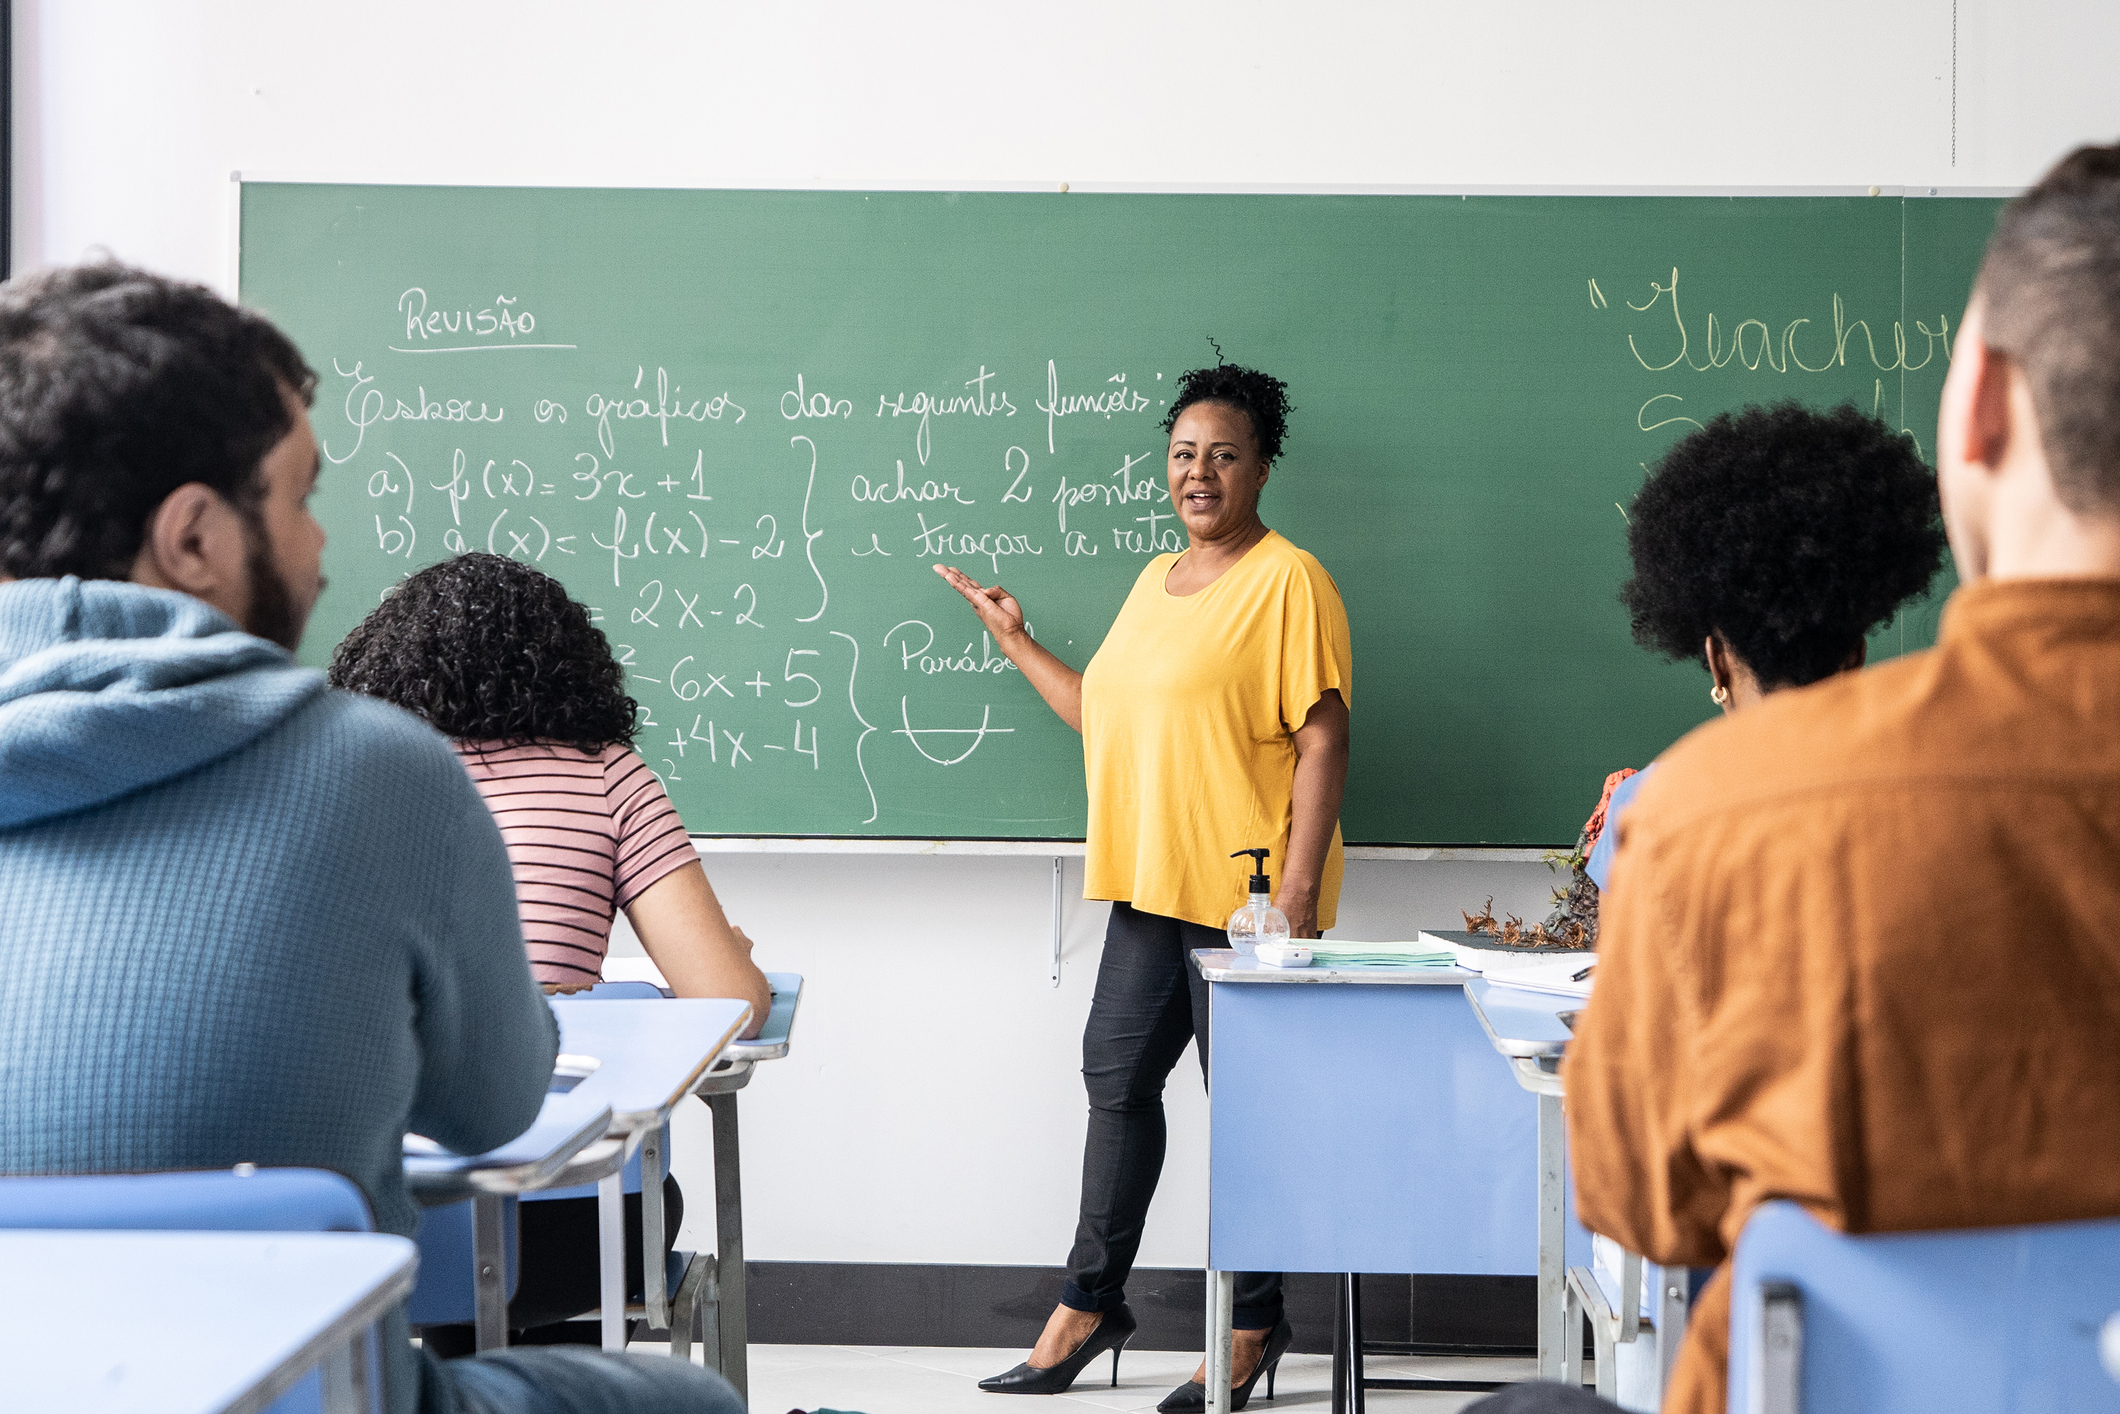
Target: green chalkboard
741,425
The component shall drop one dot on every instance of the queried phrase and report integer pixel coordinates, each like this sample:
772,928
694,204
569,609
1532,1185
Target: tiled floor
940,1380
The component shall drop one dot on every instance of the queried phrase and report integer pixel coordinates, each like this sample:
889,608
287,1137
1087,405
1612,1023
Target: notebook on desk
1340,952
1484,952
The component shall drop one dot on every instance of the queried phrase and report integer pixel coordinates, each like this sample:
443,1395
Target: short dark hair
116,388
1789,533
485,648
1260,396
2049,289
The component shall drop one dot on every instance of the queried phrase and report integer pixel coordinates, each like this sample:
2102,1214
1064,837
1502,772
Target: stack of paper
1556,976
1333,952
1483,952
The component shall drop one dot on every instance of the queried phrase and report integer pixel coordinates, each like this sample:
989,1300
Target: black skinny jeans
1150,1001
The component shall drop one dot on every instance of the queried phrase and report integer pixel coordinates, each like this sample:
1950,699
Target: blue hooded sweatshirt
243,918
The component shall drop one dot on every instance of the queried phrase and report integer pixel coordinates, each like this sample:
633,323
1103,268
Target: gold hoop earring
1719,695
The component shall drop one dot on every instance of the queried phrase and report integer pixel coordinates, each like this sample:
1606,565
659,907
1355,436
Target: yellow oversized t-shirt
1189,714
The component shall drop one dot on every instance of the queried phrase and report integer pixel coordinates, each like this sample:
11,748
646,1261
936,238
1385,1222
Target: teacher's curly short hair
1260,396
484,648
1789,532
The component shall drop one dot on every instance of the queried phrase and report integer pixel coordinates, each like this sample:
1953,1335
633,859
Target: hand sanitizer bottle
1258,921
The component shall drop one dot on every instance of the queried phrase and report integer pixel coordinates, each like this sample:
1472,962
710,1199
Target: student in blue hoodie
243,918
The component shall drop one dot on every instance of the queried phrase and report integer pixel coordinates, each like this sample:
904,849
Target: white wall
932,1110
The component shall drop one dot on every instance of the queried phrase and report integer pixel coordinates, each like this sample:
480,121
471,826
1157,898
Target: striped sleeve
652,842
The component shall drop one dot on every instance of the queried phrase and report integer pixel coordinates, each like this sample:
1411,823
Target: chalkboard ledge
1072,849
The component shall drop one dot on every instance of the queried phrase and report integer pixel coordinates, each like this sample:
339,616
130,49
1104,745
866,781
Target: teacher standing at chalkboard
1213,718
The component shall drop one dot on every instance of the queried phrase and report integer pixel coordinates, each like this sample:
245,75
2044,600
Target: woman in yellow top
1213,718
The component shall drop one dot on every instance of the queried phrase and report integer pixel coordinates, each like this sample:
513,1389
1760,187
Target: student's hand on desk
996,607
566,989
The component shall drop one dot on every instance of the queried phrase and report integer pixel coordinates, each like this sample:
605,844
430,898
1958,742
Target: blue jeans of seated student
566,1379
1150,1001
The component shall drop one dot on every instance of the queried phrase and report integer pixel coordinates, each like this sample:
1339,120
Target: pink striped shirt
587,833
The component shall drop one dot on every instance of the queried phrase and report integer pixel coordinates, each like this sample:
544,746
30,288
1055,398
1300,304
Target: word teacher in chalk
1213,718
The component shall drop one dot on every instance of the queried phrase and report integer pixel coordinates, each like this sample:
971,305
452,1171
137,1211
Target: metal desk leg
1357,1394
654,1244
345,1387
611,1255
488,1280
730,1310
1552,1273
1221,1313
1671,1312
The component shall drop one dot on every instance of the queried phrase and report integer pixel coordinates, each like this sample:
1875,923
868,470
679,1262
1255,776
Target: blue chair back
218,1200
1910,1323
242,1199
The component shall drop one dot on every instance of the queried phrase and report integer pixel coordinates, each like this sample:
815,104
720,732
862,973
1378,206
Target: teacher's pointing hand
996,607
1057,683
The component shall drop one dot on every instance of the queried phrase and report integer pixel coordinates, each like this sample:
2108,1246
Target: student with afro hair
1767,546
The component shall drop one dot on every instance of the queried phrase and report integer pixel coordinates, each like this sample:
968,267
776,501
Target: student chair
2004,1318
243,1199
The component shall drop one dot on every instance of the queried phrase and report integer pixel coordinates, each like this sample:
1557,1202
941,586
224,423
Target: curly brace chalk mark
866,728
811,537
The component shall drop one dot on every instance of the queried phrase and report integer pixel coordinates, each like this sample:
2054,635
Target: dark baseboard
882,1303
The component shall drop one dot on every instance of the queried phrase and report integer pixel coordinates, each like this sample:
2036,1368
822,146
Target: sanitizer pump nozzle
1258,921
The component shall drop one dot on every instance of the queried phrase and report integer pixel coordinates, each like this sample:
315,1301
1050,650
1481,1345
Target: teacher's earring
1719,695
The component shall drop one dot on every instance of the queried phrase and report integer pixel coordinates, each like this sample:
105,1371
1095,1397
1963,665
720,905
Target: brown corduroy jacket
1862,950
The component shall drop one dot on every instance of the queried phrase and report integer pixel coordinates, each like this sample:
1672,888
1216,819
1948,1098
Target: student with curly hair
495,656
1213,718
1767,545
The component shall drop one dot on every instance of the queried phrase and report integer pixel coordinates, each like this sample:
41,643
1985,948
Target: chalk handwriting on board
1753,344
1803,345
498,326
606,409
364,406
980,402
1057,406
811,537
694,524
977,734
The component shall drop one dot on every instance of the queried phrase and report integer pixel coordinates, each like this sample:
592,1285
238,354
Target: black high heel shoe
1111,1334
1191,1397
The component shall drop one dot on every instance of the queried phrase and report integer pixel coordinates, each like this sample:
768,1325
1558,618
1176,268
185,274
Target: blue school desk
1615,1290
1359,1123
235,1319
647,1055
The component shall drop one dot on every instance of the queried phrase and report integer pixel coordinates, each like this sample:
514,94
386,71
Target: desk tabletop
568,1123
771,1043
231,1319
650,1053
1519,1022
1229,965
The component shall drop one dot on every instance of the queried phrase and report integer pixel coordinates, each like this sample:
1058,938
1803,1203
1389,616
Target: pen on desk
1584,973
